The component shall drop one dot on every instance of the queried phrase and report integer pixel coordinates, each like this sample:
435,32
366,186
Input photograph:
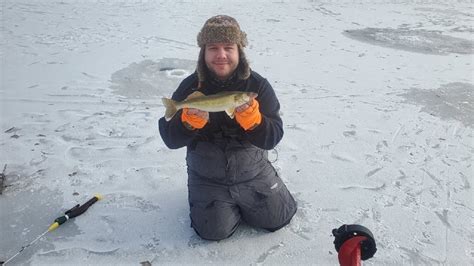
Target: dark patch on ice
166,68
416,257
450,101
145,263
123,200
151,78
438,181
2,179
349,133
447,12
342,158
12,130
28,213
273,20
377,188
420,41
443,217
373,172
78,252
465,180
89,75
269,252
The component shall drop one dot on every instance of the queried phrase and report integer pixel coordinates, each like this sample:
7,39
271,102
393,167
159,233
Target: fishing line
74,212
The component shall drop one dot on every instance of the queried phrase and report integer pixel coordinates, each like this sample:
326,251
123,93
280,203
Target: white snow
81,83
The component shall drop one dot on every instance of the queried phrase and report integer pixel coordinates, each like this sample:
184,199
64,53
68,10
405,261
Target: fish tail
170,106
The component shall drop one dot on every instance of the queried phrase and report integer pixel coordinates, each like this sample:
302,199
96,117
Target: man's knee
215,221
271,210
273,229
214,234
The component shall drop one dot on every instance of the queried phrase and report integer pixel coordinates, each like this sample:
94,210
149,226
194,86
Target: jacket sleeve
270,131
174,134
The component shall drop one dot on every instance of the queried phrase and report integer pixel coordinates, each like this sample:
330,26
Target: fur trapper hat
222,29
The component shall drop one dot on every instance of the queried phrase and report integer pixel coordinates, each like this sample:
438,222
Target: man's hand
194,118
197,112
245,106
248,115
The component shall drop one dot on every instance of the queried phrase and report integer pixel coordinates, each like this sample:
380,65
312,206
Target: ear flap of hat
243,69
201,69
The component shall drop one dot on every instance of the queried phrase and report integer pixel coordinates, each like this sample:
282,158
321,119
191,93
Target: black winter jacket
265,136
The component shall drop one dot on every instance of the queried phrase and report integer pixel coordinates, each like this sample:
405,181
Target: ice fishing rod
74,212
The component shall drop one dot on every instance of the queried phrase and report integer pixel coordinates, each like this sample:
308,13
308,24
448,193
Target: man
229,176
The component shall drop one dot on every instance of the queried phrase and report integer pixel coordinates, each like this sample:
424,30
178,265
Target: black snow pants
233,181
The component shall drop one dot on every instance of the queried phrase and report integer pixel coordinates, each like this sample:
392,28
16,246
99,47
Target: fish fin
194,95
230,112
170,106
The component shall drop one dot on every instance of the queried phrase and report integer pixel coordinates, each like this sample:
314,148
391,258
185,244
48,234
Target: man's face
222,59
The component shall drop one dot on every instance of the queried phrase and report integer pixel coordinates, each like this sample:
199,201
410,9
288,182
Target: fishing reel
353,243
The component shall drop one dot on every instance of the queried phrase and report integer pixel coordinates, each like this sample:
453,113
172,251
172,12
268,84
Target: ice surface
376,99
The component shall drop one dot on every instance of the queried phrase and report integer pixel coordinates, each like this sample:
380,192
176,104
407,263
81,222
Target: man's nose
221,53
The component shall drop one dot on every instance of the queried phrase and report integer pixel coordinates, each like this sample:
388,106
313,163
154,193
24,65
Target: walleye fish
223,101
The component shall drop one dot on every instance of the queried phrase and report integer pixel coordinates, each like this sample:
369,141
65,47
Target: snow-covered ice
377,102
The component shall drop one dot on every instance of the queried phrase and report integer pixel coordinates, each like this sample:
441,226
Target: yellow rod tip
53,226
98,196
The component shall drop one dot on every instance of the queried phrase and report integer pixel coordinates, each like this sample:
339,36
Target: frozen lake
376,99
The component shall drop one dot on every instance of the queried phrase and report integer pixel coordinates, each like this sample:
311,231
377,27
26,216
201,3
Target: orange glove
194,119
248,115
